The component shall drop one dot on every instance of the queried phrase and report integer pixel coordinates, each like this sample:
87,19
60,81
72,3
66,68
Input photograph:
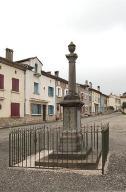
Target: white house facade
39,90
115,102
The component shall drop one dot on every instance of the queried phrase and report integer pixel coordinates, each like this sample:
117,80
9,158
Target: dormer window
36,72
36,67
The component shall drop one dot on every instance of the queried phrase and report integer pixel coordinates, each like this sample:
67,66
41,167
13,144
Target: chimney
48,72
98,88
90,84
86,82
9,54
56,73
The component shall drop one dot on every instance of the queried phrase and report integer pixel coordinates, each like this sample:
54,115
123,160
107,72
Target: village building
61,91
84,93
115,102
95,97
123,100
103,103
11,87
39,91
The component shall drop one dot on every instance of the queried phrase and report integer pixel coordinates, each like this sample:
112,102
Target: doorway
44,112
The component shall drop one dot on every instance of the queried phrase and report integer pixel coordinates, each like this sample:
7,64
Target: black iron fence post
105,145
10,157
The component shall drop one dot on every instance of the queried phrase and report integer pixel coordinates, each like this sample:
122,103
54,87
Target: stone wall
10,122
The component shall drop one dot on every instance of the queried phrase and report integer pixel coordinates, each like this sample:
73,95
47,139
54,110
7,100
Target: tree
110,108
124,105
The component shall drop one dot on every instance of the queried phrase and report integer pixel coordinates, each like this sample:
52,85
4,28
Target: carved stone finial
71,47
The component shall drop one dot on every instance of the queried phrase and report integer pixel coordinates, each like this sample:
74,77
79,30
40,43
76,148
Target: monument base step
89,162
70,155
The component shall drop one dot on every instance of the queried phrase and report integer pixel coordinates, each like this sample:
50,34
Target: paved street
31,180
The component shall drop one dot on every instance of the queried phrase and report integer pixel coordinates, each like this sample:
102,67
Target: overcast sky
44,28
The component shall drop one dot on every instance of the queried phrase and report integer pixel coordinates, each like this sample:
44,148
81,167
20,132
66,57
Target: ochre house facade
11,87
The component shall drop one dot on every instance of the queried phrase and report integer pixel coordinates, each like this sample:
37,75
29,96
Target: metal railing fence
43,147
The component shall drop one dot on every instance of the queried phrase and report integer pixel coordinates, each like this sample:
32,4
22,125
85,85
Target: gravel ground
36,180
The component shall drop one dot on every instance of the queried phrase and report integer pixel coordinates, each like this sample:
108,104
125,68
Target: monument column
72,68
71,108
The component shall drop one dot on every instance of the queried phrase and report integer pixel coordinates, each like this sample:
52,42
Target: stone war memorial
71,139
72,145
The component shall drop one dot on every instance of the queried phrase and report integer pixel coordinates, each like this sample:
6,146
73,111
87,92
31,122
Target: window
36,67
50,109
58,83
58,106
36,88
15,84
58,91
50,91
67,86
15,109
65,92
36,109
86,96
86,108
1,81
82,96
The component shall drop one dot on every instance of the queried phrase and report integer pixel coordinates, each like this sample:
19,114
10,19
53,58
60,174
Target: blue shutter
50,109
50,91
36,109
36,88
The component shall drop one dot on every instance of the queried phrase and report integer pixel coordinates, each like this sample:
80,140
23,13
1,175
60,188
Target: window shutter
56,91
15,109
1,81
50,109
50,91
61,93
15,84
36,88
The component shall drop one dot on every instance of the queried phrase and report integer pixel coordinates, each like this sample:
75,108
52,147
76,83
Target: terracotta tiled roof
83,85
53,76
27,59
92,89
12,64
123,96
104,95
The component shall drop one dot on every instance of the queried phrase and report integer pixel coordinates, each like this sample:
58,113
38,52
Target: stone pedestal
71,140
